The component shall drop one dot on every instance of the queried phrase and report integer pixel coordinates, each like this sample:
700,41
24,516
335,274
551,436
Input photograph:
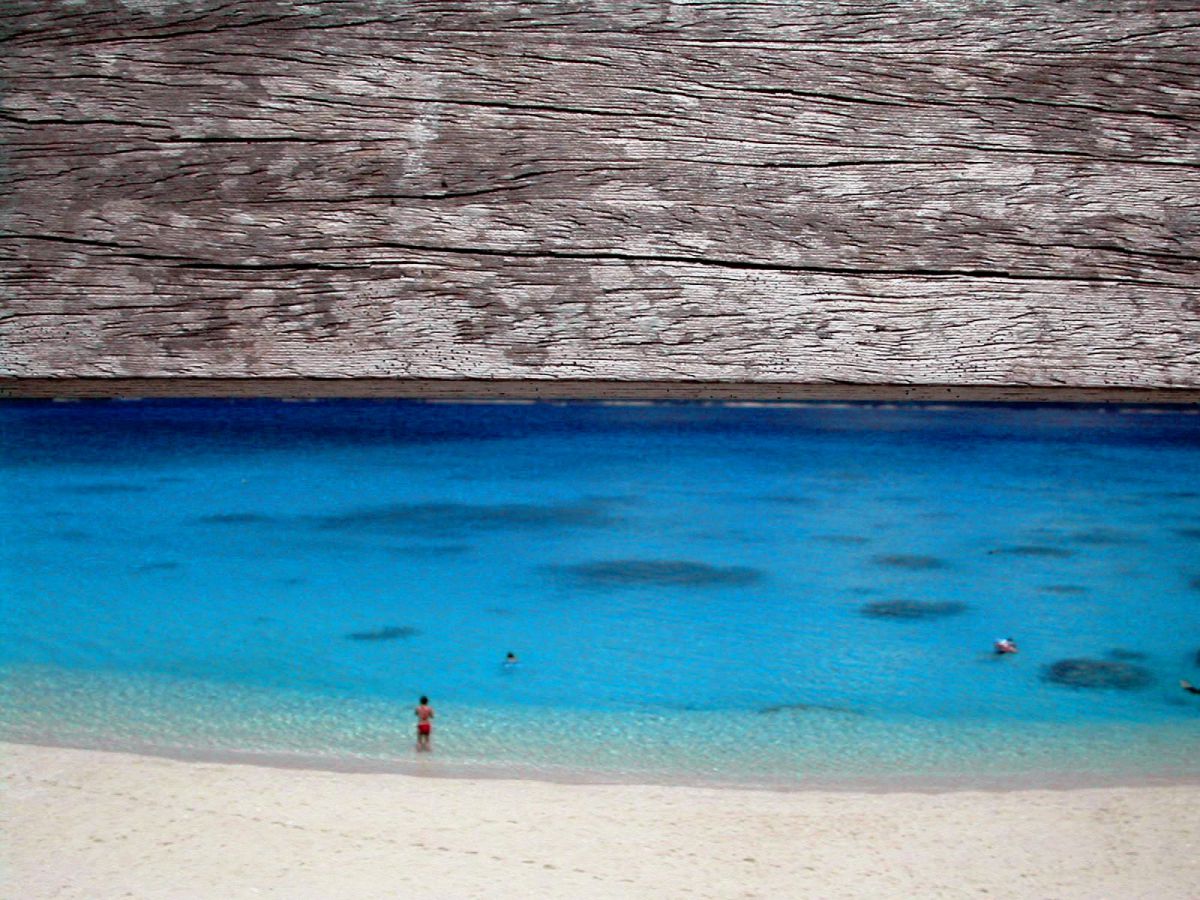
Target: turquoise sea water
689,587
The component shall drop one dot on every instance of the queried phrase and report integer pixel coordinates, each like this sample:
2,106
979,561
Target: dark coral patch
165,566
234,519
807,707
449,518
911,561
1193,533
72,534
1035,550
661,573
431,551
1066,590
790,500
389,633
1101,674
1120,653
104,488
913,610
1102,537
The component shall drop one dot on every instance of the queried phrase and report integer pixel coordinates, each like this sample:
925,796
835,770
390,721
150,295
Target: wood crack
721,191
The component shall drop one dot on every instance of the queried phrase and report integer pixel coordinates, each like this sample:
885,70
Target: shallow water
774,595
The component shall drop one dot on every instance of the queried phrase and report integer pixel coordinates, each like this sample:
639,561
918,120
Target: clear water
684,584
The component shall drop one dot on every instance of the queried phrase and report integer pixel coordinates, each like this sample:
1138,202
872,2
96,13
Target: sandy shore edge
85,823
438,765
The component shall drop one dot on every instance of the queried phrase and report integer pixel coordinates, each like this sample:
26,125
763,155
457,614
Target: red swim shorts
424,728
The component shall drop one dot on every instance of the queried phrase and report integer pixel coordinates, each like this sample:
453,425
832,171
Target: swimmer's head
424,701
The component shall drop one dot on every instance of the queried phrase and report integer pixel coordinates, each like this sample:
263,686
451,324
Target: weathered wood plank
1133,400
825,192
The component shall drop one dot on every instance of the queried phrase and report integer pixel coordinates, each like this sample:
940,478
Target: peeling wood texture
912,193
562,389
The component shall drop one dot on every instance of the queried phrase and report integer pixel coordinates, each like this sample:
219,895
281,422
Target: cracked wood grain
918,193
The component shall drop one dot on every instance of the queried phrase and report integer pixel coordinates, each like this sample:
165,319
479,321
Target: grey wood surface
918,193
563,389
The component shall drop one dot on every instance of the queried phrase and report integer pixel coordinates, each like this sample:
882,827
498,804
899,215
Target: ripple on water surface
794,744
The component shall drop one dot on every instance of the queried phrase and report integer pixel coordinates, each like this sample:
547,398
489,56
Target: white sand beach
96,825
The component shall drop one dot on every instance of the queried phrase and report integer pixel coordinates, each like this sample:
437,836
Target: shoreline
433,768
196,722
87,823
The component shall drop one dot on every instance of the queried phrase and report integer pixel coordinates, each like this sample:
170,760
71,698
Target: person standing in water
1004,645
424,714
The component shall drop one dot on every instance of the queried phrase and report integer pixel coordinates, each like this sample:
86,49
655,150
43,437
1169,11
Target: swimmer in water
424,714
1005,645
1189,687
510,660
